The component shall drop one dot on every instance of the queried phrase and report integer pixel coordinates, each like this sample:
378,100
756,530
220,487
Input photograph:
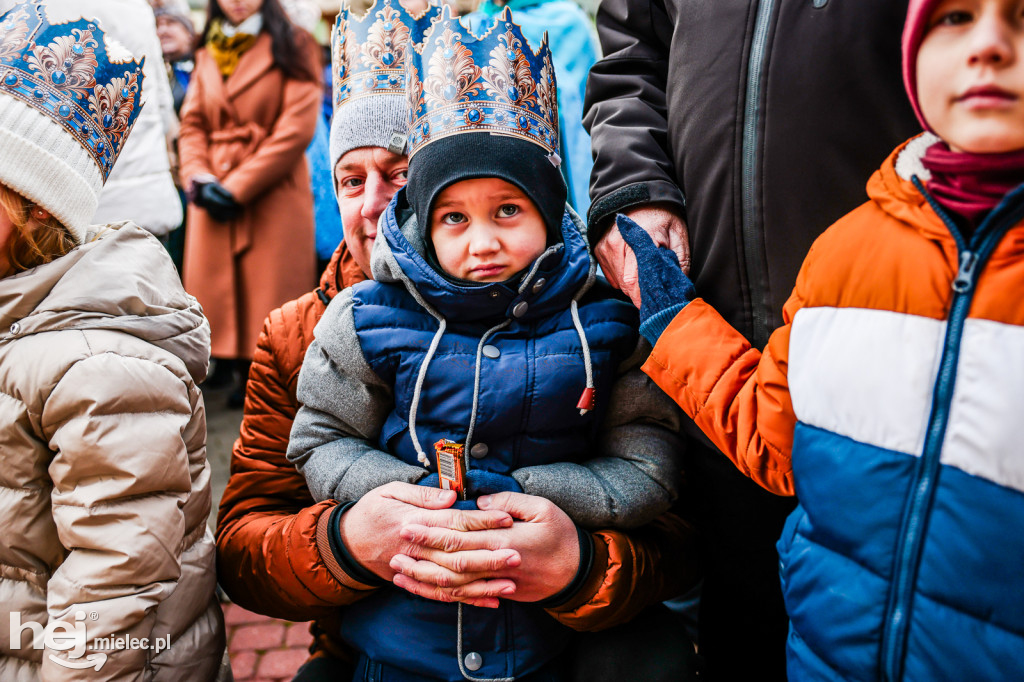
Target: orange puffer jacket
890,404
269,556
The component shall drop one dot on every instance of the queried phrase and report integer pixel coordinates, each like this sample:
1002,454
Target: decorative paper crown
513,93
370,53
65,72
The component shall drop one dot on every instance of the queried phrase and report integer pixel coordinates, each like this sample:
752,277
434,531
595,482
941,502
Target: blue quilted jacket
498,366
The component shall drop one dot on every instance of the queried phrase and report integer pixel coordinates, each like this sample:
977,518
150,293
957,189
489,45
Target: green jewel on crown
460,82
65,72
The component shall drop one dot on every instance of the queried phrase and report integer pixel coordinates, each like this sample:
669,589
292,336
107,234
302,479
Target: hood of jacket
563,272
121,280
892,188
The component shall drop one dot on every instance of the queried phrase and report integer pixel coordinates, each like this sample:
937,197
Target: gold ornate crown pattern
493,83
369,54
64,71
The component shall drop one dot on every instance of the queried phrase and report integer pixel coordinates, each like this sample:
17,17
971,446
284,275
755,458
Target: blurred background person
250,112
177,36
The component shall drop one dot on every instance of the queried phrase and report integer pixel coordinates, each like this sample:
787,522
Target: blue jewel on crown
369,51
460,82
65,72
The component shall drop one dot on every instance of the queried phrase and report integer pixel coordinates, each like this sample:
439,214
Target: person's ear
39,213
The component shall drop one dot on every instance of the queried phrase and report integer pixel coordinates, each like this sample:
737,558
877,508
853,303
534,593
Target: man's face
175,39
366,178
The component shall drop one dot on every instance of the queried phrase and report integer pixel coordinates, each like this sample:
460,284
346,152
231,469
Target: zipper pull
964,281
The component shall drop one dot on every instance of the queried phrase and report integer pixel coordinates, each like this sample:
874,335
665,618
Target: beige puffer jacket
104,484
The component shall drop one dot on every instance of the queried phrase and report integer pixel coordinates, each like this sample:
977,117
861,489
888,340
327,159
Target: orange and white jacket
890,403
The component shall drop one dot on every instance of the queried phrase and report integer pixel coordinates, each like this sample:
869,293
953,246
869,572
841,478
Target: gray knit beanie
174,9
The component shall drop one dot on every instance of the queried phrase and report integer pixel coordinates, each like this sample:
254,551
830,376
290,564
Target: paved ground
262,649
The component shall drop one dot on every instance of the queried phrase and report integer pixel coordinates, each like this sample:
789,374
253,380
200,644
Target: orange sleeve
269,559
737,395
631,571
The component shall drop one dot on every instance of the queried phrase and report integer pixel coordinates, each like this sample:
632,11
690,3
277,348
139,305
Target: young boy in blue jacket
486,326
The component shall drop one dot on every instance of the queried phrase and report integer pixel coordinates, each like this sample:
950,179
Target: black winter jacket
760,120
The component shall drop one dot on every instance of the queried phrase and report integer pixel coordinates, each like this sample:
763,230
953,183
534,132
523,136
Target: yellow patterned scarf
227,51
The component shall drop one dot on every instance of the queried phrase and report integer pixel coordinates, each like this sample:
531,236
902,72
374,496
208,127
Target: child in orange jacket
889,401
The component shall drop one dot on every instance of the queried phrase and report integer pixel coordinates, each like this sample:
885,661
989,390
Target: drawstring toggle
586,403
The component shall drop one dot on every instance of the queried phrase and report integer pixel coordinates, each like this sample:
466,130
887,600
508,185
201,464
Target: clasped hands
514,546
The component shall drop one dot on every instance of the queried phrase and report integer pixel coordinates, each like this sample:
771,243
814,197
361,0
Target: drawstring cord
586,402
462,667
418,391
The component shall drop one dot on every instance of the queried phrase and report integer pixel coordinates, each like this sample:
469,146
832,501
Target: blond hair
34,241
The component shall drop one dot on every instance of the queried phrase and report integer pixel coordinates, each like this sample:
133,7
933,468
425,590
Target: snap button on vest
15,328
520,309
473,661
479,451
491,352
539,284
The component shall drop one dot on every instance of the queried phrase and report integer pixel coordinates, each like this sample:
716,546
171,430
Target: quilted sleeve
268,558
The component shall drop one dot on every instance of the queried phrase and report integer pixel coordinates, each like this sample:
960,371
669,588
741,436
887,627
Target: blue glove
664,287
431,480
481,482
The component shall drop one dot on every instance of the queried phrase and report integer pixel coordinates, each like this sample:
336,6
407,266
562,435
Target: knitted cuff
344,558
653,327
582,573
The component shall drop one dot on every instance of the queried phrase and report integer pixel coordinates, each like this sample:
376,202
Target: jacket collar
341,272
892,188
252,65
550,284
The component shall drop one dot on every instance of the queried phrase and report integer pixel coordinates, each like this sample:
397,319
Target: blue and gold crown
493,83
65,72
369,53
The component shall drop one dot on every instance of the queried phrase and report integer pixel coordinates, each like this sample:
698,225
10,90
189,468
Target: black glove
664,287
217,201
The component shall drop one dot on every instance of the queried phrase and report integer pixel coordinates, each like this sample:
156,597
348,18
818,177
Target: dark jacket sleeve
625,112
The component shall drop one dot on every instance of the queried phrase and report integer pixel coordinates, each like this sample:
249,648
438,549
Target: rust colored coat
273,556
250,131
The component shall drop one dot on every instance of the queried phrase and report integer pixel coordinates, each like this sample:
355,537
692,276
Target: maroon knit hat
913,34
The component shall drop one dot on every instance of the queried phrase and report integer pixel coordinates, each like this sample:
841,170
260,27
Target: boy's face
970,77
486,230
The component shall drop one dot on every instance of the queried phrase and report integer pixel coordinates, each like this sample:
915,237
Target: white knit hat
68,100
368,56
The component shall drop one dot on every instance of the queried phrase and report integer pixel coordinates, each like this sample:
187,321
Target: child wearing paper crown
486,326
890,401
105,489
